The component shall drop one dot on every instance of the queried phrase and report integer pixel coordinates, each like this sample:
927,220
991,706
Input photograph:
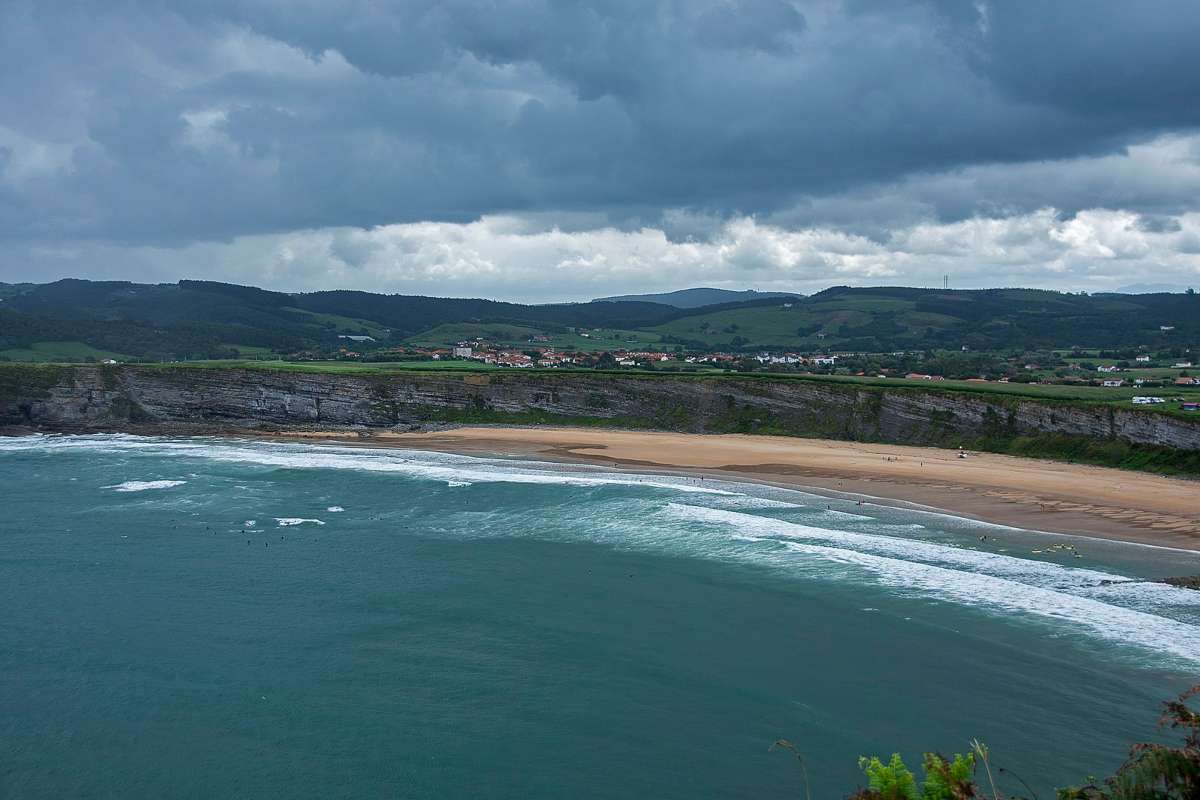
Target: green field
518,337
343,325
451,333
59,352
809,325
250,350
1118,396
774,326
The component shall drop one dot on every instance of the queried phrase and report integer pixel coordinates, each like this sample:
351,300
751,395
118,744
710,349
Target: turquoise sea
228,618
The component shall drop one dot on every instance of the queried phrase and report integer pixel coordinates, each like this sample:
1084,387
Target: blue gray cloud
171,126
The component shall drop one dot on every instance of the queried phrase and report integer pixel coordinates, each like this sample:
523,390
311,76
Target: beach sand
1024,493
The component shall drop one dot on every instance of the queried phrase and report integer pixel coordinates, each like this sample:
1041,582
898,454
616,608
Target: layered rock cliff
179,399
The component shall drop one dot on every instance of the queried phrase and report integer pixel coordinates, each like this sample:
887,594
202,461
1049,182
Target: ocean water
226,618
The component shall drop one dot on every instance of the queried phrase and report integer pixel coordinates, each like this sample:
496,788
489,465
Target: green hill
885,319
697,298
204,319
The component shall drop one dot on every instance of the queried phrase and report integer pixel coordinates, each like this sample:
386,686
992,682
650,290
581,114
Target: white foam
413,464
33,441
1035,572
249,523
457,484
830,512
56,442
749,501
335,509
1156,634
1105,604
1146,595
1095,602
141,486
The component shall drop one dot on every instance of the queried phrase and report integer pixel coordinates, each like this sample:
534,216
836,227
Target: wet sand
1024,493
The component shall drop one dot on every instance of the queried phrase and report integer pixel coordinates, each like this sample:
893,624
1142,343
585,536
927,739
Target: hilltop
696,298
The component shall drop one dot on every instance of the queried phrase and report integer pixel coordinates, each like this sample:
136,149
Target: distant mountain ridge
1151,288
696,298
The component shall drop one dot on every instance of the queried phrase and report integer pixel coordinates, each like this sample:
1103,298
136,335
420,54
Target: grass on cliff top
1068,395
29,380
58,352
1087,394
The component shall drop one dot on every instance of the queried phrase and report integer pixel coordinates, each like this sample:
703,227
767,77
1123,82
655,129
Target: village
1140,371
546,357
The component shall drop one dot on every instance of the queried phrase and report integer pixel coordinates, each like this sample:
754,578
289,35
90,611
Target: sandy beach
1024,493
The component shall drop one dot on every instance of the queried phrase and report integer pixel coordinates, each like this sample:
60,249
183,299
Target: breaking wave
724,521
1107,605
141,486
449,469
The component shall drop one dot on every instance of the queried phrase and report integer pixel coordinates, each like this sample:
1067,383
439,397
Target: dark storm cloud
151,122
1104,60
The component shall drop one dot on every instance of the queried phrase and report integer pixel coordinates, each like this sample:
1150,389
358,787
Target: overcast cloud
539,150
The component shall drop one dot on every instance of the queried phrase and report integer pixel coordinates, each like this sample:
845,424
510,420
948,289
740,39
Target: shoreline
1026,494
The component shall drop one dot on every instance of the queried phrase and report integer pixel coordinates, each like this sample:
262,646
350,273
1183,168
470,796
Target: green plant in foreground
948,780
890,781
1152,771
1155,771
944,779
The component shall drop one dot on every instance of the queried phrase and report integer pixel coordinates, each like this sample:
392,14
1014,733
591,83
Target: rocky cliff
180,399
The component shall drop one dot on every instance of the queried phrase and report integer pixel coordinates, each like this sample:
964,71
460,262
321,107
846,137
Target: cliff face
182,399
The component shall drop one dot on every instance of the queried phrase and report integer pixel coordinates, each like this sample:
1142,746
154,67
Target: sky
543,150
